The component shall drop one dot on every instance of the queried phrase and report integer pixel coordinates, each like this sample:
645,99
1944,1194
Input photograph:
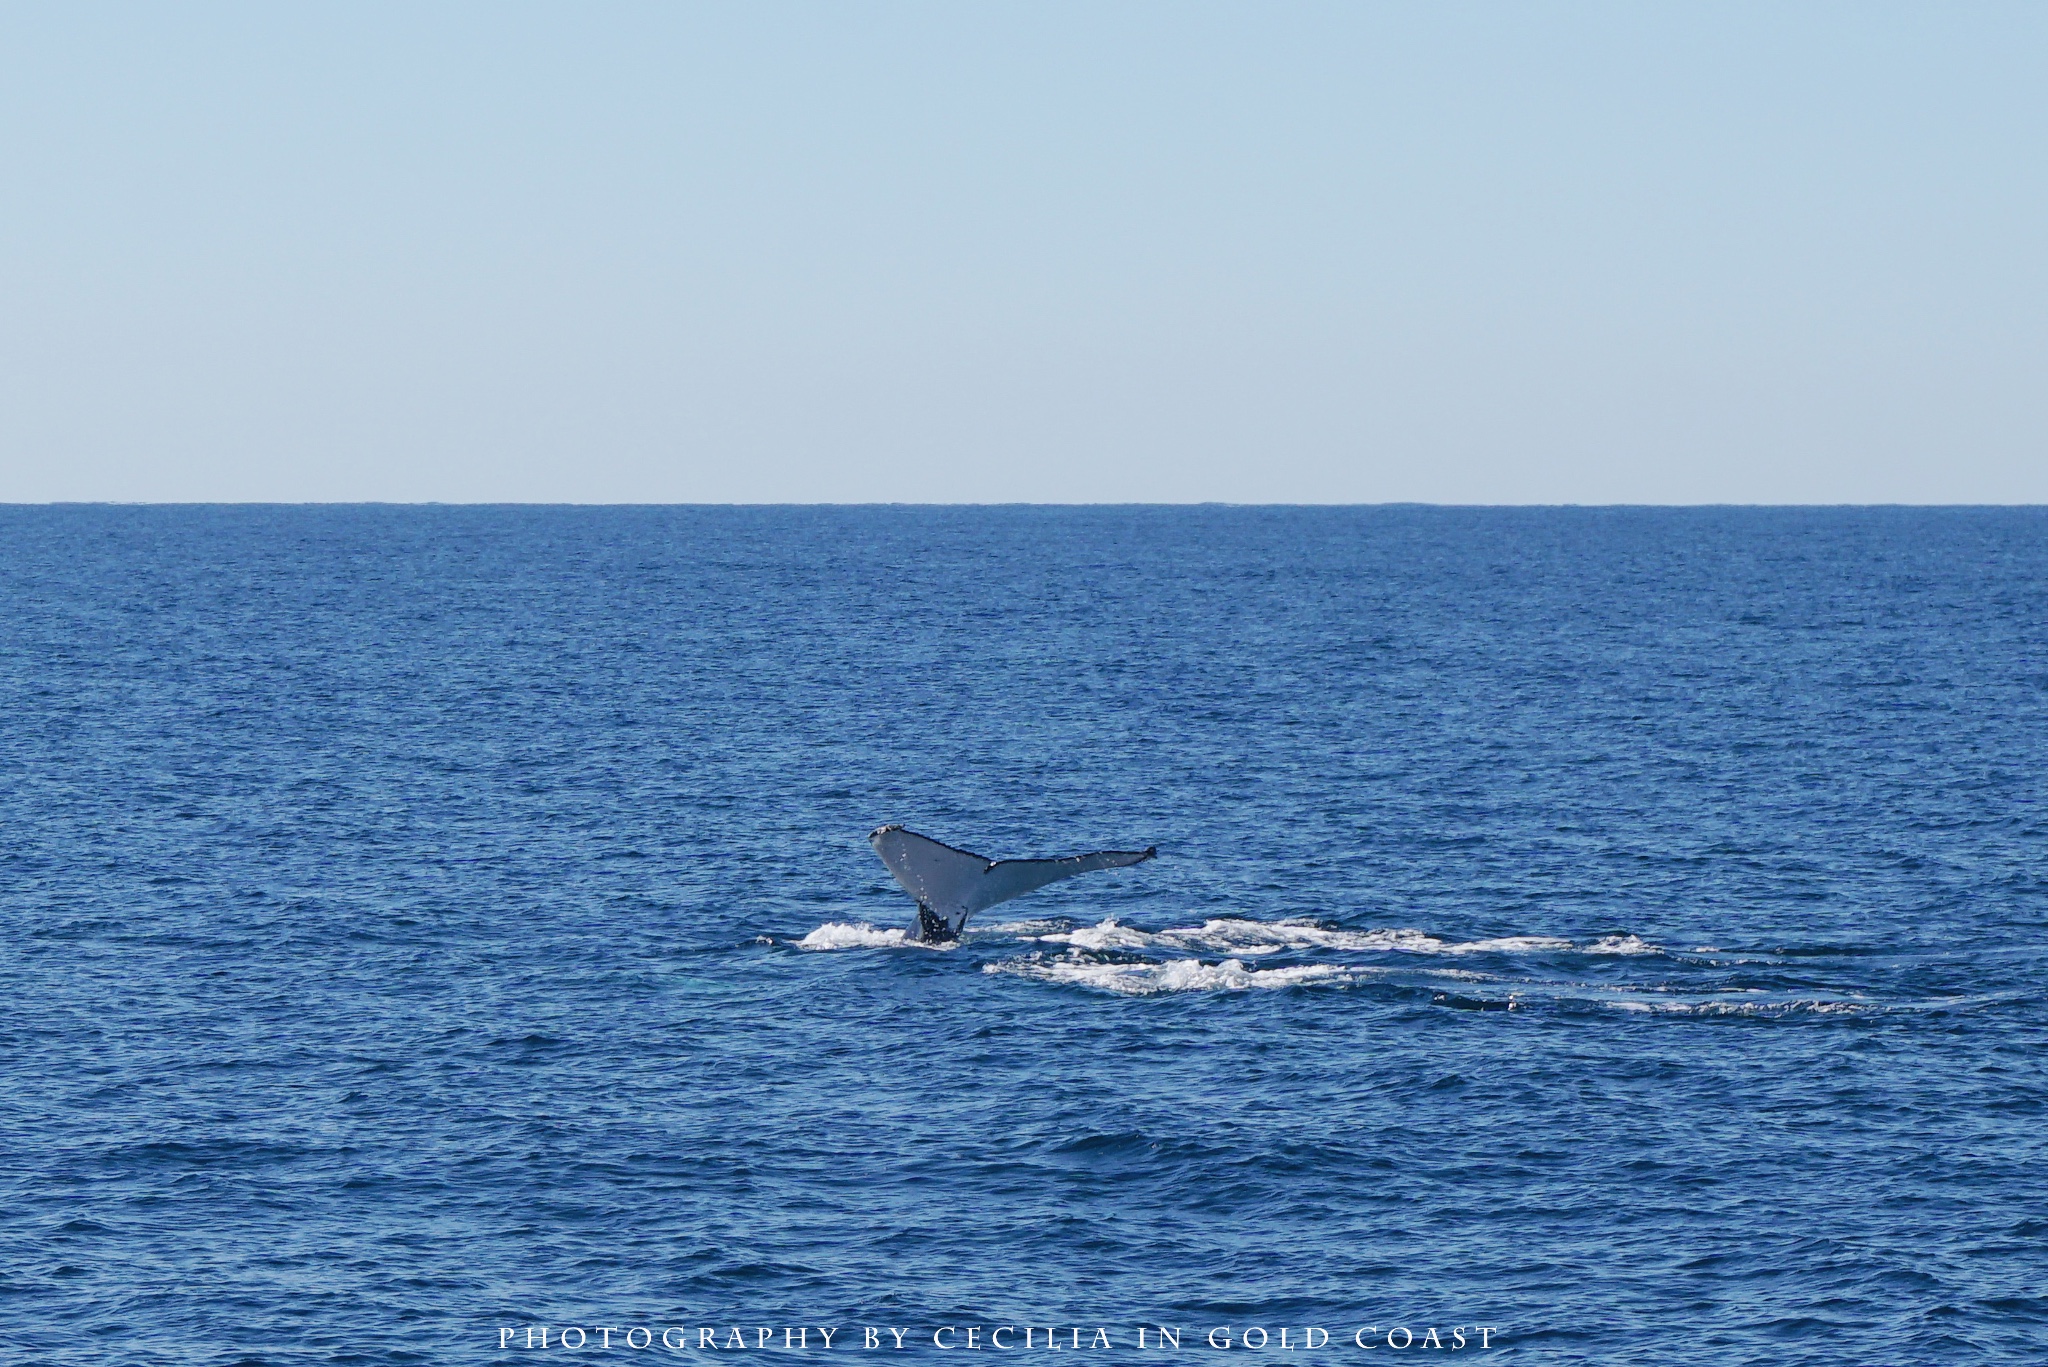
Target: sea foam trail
1231,935
1241,936
1173,975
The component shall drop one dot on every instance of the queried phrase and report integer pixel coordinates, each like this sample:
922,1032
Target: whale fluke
951,885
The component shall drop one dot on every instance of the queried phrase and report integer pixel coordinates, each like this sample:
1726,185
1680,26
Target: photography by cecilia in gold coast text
999,1338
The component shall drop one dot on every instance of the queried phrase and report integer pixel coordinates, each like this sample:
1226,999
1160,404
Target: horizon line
991,504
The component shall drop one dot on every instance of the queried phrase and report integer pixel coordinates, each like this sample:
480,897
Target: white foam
1622,944
1174,975
839,935
1236,935
1512,944
1272,937
1025,928
1241,936
1106,935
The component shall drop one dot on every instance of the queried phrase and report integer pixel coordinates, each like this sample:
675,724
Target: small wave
1749,1008
1622,944
1510,944
840,935
1172,975
1461,1002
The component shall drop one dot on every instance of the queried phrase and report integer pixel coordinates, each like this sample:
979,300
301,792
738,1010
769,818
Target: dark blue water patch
1619,926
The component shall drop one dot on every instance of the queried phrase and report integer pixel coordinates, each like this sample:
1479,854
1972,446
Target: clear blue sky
986,252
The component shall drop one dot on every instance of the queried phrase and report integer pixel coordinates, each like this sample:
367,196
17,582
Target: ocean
1620,930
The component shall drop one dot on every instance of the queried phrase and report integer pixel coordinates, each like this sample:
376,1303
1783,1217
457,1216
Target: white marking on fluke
951,885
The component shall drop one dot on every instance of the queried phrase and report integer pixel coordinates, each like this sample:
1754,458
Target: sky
1039,252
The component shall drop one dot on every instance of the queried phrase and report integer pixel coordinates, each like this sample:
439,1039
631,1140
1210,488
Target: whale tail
950,884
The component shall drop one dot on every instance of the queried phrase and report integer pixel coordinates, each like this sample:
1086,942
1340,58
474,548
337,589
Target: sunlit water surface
1620,928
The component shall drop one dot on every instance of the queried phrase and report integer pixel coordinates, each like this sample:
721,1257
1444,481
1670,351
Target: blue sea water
1623,929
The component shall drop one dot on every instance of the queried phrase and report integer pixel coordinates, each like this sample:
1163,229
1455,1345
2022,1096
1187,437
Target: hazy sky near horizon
1041,252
